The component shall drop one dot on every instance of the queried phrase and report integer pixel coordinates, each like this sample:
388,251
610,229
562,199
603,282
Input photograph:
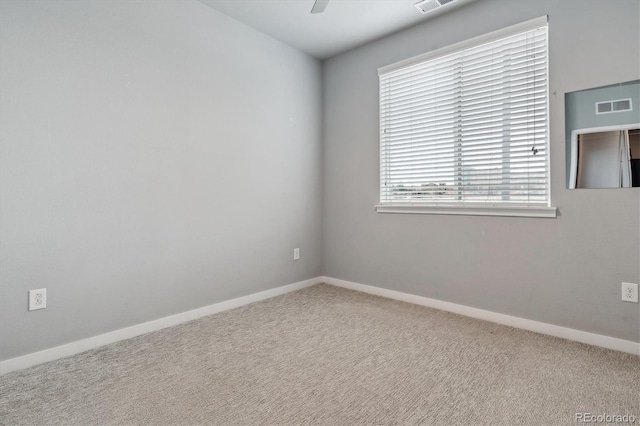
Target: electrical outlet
37,299
296,254
630,292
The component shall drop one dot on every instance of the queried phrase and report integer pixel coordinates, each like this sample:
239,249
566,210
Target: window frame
481,209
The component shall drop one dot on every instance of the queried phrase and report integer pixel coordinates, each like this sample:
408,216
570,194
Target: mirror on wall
603,136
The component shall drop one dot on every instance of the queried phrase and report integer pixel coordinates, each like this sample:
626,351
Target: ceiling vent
619,105
427,6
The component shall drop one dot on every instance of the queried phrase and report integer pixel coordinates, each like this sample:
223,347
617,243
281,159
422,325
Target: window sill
481,210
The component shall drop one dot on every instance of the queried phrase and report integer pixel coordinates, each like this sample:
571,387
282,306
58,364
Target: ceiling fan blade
319,6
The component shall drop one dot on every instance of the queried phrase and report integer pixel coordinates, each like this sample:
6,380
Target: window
464,129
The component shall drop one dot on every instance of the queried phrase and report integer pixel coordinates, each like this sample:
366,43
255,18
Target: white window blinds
468,125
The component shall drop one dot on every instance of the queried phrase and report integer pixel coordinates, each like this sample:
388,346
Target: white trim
78,346
517,322
470,210
476,41
548,135
573,171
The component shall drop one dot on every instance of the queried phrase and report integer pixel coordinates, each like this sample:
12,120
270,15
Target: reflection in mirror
605,157
602,132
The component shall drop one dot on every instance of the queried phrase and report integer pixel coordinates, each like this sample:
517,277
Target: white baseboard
78,346
517,322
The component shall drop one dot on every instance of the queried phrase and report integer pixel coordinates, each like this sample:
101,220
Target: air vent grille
619,105
427,6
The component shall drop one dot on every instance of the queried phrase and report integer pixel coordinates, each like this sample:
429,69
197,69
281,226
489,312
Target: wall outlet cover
37,299
630,292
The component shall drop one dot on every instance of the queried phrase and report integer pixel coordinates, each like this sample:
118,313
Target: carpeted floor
325,355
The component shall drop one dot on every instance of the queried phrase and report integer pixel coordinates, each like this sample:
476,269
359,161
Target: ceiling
343,25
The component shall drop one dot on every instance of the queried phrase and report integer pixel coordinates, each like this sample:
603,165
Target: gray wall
565,271
149,165
155,157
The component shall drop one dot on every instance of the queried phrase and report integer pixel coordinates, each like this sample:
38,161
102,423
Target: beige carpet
326,355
